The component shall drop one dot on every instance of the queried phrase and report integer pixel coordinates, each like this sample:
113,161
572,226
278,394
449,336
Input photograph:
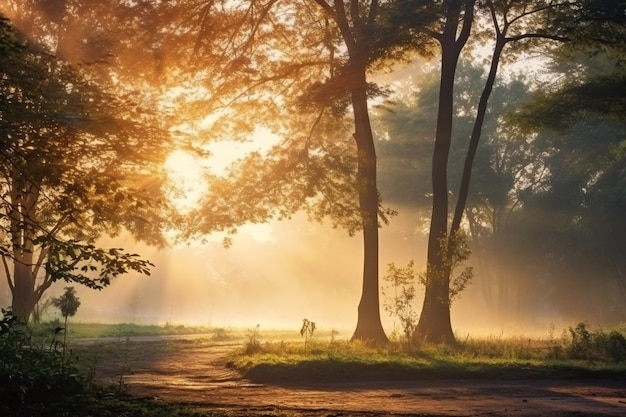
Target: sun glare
186,178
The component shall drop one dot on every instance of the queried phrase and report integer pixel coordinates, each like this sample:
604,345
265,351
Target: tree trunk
369,327
475,138
434,325
24,197
24,294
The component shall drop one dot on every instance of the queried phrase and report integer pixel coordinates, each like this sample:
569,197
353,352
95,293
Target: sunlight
186,178
225,152
188,183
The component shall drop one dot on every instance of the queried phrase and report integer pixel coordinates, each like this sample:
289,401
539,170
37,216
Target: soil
197,375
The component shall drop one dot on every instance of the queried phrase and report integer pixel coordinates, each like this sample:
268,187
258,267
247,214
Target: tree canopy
78,163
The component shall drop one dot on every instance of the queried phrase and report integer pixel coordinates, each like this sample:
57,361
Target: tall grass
578,351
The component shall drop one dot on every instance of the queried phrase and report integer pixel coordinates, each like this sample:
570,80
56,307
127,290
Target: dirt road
196,375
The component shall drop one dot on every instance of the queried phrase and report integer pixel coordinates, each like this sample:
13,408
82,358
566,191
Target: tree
307,64
368,36
512,21
504,168
68,304
579,123
97,173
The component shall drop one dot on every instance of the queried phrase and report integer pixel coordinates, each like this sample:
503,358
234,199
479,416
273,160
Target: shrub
32,374
596,346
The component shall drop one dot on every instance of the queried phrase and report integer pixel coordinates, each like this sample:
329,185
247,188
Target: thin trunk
475,138
24,294
369,326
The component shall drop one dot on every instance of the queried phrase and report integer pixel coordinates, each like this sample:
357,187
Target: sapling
308,327
402,283
68,303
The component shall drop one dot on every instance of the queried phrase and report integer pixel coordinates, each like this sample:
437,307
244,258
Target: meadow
41,377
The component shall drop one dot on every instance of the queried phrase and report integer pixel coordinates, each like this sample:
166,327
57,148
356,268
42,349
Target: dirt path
196,375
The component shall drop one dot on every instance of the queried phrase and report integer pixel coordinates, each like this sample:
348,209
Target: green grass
123,330
472,358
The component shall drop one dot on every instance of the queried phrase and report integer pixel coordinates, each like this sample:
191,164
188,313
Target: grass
281,357
494,358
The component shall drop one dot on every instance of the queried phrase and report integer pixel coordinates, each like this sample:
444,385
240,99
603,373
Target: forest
489,135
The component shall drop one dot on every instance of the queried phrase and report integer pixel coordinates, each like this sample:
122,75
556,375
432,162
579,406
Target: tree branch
7,272
536,35
537,10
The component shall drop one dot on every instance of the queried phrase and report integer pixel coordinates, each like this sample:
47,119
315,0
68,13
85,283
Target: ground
197,375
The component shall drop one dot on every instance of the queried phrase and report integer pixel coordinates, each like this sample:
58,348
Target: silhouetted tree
509,21
76,164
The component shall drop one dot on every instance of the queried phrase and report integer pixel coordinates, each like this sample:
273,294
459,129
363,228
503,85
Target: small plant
402,284
254,344
307,330
68,303
125,368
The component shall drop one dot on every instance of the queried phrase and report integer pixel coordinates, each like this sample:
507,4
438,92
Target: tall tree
370,36
504,167
77,163
314,57
510,21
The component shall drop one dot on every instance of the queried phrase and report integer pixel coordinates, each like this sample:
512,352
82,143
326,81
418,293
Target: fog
275,275
279,273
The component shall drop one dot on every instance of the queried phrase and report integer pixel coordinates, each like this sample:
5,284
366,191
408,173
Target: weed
307,330
125,368
253,344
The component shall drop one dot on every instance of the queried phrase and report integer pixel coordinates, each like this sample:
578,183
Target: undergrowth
579,351
37,380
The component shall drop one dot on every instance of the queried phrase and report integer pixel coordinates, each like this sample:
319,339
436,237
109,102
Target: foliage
455,251
32,374
596,346
68,303
53,211
400,292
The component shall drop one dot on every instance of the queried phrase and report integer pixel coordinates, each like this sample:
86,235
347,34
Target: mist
276,274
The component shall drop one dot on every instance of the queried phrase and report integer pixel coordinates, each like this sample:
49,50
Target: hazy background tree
580,126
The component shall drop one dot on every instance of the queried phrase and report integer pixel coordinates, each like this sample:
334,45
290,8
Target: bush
597,346
32,374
